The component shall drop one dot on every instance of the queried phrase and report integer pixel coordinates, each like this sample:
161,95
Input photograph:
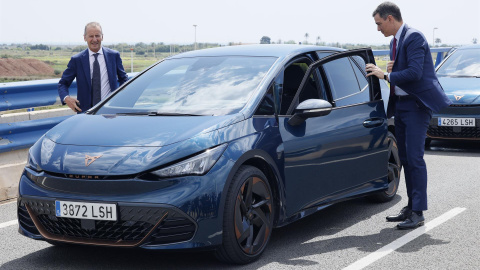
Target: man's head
388,18
93,35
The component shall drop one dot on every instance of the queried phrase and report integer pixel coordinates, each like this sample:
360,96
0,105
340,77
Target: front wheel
394,169
248,217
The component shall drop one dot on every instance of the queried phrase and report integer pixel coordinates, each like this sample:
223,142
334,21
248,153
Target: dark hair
388,8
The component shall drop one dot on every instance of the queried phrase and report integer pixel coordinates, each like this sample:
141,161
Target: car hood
86,145
461,91
137,131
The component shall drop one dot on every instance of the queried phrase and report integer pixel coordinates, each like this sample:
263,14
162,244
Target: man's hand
374,70
73,103
390,66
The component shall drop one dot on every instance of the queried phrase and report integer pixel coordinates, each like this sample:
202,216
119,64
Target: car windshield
462,63
192,86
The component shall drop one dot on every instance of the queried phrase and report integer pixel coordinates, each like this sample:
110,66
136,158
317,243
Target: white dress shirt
103,71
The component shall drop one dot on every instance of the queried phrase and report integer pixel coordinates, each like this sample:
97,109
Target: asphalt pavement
348,235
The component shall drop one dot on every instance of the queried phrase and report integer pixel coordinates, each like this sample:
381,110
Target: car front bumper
174,213
455,132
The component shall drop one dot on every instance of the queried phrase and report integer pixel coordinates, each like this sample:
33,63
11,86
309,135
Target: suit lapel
106,55
400,42
86,68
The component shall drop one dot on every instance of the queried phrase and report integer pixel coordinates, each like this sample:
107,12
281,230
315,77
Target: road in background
334,238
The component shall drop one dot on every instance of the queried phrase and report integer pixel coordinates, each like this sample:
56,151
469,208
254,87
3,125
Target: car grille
461,110
454,132
25,221
137,224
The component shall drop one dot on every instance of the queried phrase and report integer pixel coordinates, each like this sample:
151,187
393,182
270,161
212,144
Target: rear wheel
394,169
248,217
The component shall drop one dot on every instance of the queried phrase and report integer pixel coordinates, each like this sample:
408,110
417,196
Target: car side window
267,106
293,76
358,65
347,83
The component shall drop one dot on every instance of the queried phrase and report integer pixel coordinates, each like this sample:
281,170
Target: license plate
456,122
96,211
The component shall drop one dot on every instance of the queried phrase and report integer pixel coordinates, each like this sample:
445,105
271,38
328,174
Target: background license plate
456,122
96,211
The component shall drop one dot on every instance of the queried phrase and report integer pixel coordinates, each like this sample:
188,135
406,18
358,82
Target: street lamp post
433,44
195,36
131,59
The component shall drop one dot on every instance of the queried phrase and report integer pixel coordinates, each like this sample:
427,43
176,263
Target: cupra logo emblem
90,159
457,98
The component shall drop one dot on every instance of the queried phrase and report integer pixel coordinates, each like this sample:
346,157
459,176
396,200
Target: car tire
248,217
394,169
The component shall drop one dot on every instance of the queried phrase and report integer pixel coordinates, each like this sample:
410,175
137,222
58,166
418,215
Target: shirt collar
90,53
399,32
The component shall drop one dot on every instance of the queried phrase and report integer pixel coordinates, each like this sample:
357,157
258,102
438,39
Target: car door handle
374,122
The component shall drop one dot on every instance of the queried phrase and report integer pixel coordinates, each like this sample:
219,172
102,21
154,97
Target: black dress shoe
412,222
402,216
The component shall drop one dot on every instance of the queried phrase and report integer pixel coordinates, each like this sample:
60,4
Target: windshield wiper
459,76
173,114
159,114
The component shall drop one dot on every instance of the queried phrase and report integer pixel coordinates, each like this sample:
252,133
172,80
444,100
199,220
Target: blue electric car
459,75
213,149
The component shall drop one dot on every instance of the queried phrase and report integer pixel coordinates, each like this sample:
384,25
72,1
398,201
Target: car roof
273,50
468,47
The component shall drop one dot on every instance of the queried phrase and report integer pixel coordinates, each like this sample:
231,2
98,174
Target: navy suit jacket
414,72
79,67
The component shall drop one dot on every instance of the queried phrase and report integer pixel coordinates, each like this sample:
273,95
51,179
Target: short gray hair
92,24
388,8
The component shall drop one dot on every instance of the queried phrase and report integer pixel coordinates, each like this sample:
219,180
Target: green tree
306,38
265,40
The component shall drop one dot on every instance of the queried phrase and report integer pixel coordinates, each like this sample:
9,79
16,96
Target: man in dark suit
414,93
96,69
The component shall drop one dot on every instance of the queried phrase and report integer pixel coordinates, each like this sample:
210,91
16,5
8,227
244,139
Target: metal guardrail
441,53
21,95
28,94
21,135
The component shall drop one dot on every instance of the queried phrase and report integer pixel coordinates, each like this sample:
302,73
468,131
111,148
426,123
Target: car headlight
197,165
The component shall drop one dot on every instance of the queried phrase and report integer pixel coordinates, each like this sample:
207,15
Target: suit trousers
411,124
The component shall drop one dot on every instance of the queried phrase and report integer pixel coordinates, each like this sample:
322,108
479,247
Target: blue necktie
96,83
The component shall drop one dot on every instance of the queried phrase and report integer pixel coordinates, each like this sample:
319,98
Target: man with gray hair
414,94
98,70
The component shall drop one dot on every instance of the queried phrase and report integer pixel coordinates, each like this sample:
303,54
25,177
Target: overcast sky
224,21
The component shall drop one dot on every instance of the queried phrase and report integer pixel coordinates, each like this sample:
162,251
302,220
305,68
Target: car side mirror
309,108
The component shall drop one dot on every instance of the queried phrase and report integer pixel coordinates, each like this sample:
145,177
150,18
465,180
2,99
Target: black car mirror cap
310,108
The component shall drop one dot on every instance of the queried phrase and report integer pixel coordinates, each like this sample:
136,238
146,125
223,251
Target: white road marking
365,261
8,223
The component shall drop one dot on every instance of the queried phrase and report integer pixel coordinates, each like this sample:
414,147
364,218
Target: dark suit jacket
79,67
414,72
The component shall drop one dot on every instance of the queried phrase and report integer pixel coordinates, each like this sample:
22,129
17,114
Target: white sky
224,21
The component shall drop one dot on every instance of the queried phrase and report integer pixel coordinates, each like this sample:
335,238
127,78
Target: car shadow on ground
444,147
287,246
